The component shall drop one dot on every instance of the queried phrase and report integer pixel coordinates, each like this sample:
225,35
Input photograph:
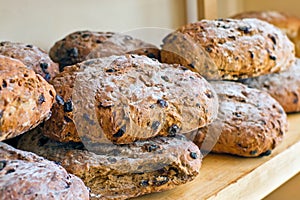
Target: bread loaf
128,98
237,48
83,45
250,122
25,98
24,175
283,86
123,171
289,24
33,57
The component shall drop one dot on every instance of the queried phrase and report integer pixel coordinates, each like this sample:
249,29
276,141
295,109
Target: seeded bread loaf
128,98
33,57
290,24
283,86
122,171
25,98
250,122
237,48
24,175
83,45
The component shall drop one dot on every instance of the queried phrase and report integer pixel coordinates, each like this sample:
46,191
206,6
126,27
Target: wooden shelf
229,177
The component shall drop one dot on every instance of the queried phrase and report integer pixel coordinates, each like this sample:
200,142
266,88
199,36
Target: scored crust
122,171
250,122
25,98
283,86
130,98
237,48
24,175
83,45
33,57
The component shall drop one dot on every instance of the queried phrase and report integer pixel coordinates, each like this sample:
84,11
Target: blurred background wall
43,22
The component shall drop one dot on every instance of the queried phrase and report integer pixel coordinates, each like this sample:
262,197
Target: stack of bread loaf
282,86
115,120
129,119
251,122
26,100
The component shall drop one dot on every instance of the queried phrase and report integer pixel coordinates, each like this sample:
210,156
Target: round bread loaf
290,24
237,48
24,175
123,171
283,86
25,98
128,98
250,122
33,57
83,45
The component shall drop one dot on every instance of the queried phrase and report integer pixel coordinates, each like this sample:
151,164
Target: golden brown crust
238,48
283,86
250,122
123,171
83,45
132,98
290,24
33,57
25,98
24,175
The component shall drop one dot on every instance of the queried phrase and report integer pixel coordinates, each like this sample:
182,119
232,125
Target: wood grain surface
230,177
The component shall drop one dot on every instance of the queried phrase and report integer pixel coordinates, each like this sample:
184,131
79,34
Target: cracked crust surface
283,86
122,171
33,57
128,98
83,45
250,122
290,24
24,175
25,98
238,48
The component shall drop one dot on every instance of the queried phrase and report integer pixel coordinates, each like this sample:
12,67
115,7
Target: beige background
43,22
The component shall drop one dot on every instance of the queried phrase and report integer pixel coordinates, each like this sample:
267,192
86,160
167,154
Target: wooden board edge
265,178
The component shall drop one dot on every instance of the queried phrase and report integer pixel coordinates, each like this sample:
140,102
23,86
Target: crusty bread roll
238,48
131,98
122,171
283,86
290,24
83,45
250,122
33,57
25,98
24,175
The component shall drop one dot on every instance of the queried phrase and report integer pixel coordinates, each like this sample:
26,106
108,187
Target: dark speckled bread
250,122
25,98
24,175
82,45
131,97
290,24
283,86
123,171
33,57
238,48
